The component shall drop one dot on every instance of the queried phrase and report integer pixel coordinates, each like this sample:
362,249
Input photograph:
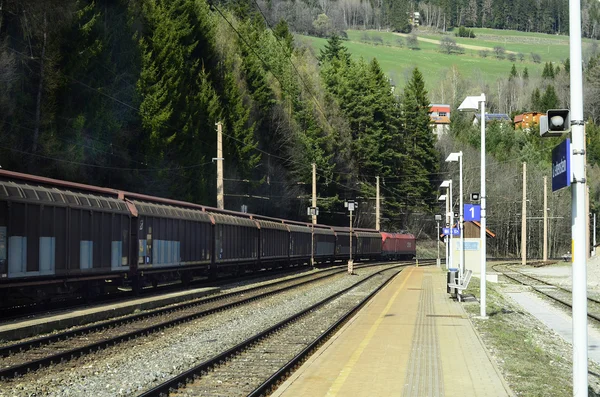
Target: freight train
61,237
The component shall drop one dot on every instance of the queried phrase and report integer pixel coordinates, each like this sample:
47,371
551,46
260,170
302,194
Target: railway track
20,358
254,366
554,292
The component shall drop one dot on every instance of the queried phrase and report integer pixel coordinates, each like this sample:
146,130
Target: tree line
126,94
321,17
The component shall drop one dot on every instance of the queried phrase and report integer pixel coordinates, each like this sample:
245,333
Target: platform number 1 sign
472,212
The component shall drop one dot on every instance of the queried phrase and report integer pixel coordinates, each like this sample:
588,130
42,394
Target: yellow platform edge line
341,379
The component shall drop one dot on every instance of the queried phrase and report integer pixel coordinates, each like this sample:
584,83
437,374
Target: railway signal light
555,123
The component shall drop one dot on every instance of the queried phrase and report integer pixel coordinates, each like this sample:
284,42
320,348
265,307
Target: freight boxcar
368,245
50,236
398,246
342,243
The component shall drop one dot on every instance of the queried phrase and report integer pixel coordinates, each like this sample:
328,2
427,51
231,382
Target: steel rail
554,298
72,353
182,379
285,370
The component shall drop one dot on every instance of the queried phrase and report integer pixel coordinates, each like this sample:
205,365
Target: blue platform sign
455,231
472,212
561,165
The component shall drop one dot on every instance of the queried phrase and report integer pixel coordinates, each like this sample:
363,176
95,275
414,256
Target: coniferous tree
282,32
536,100
548,72
525,74
513,73
419,138
549,100
334,49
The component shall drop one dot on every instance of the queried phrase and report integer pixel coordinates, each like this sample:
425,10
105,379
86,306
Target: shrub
449,46
536,57
484,53
464,32
377,40
412,42
499,51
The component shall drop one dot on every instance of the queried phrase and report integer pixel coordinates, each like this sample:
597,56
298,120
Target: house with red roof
439,115
526,120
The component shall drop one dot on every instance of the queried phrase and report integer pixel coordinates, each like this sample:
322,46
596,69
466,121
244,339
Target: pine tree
419,139
513,73
525,74
179,104
282,32
549,100
548,72
536,100
334,49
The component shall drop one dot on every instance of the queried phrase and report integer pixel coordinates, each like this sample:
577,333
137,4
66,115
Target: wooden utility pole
377,207
219,159
545,218
524,218
314,191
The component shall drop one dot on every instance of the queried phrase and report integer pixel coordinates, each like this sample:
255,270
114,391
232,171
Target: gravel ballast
135,366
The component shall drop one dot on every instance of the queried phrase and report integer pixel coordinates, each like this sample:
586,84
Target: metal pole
220,195
312,245
451,226
524,218
446,238
438,242
578,232
594,248
483,213
461,270
314,215
314,191
350,264
377,207
545,218
588,251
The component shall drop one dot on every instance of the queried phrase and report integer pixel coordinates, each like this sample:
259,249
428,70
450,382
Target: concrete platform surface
410,340
69,318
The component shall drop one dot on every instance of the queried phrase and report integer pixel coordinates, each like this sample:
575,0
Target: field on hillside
397,60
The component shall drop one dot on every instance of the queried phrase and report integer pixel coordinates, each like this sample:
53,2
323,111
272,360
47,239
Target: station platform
19,329
409,340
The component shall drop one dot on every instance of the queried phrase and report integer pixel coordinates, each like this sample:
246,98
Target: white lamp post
438,218
472,104
458,156
448,185
444,197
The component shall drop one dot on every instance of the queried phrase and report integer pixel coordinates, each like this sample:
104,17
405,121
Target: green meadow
397,60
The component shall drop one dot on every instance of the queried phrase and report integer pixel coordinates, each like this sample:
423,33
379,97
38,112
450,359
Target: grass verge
533,359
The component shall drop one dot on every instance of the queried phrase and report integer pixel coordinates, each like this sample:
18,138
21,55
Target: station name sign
561,165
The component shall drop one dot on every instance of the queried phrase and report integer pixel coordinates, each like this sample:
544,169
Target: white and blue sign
455,231
561,165
469,246
472,212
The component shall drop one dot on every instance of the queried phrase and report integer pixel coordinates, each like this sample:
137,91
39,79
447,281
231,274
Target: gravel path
135,366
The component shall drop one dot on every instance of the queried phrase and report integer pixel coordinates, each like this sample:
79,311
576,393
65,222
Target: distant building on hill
526,120
414,18
439,114
492,117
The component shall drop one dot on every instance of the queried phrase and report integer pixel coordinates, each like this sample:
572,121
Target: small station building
472,247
